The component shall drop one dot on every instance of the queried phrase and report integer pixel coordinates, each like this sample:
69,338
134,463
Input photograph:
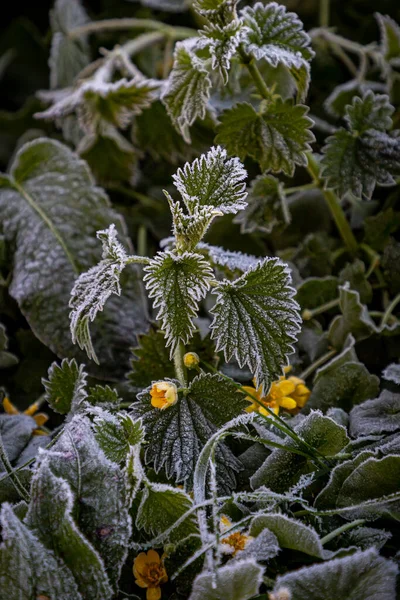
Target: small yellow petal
9,407
153,593
288,403
153,557
31,409
41,419
286,387
140,562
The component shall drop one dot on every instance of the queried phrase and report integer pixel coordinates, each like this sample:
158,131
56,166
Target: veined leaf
228,259
176,435
390,39
376,416
222,42
68,57
51,210
277,36
238,580
116,433
365,155
278,137
65,387
218,12
189,229
266,206
188,88
213,180
177,282
256,320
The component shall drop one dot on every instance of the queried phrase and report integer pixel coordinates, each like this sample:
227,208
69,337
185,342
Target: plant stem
390,309
314,366
118,24
14,477
255,73
308,314
142,240
143,41
300,188
334,206
180,368
341,530
324,13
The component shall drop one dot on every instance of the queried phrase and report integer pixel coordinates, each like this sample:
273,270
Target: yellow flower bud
191,360
163,394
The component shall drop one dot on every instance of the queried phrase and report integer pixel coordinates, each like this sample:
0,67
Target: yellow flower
288,393
237,540
191,360
150,573
31,411
163,394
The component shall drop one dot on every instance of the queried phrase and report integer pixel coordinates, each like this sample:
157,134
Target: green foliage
65,387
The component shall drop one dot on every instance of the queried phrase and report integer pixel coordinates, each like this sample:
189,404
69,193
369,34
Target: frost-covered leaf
277,137
222,42
256,319
176,436
343,95
51,211
52,504
380,415
189,229
343,386
68,56
354,319
99,485
7,359
177,282
230,259
314,291
282,469
390,39
368,537
392,373
266,206
115,433
150,360
278,37
290,533
362,576
213,180
160,507
187,90
93,288
354,274
27,568
364,155
103,395
65,386
239,580
15,432
217,12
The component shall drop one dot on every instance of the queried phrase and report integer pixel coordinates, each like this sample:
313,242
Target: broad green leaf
282,469
239,580
364,155
217,12
52,504
228,260
213,180
291,534
189,229
65,386
391,265
380,415
7,359
315,291
277,137
188,88
354,273
222,42
278,37
342,386
343,95
93,288
266,206
51,211
27,568
115,433
175,436
99,484
256,320
368,537
103,395
15,431
160,507
68,56
177,282
380,227
390,39
362,576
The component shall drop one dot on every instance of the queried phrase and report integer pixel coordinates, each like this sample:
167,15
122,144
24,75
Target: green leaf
362,576
391,266
65,386
103,517
222,42
27,568
381,415
177,282
7,359
380,227
282,469
52,504
277,137
256,320
315,291
216,11
160,507
266,206
278,37
228,260
291,534
150,360
105,396
354,319
188,88
15,432
342,386
239,580
176,435
51,211
115,433
343,95
213,180
68,56
390,38
354,273
365,155
189,229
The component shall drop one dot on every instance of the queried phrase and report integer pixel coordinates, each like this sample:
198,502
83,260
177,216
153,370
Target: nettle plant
249,452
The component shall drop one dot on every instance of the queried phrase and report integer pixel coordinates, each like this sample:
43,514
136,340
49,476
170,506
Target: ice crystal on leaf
222,42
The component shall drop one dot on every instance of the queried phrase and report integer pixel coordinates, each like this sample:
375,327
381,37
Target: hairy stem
318,363
324,13
120,24
334,206
388,312
250,63
180,369
308,314
341,530
300,188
